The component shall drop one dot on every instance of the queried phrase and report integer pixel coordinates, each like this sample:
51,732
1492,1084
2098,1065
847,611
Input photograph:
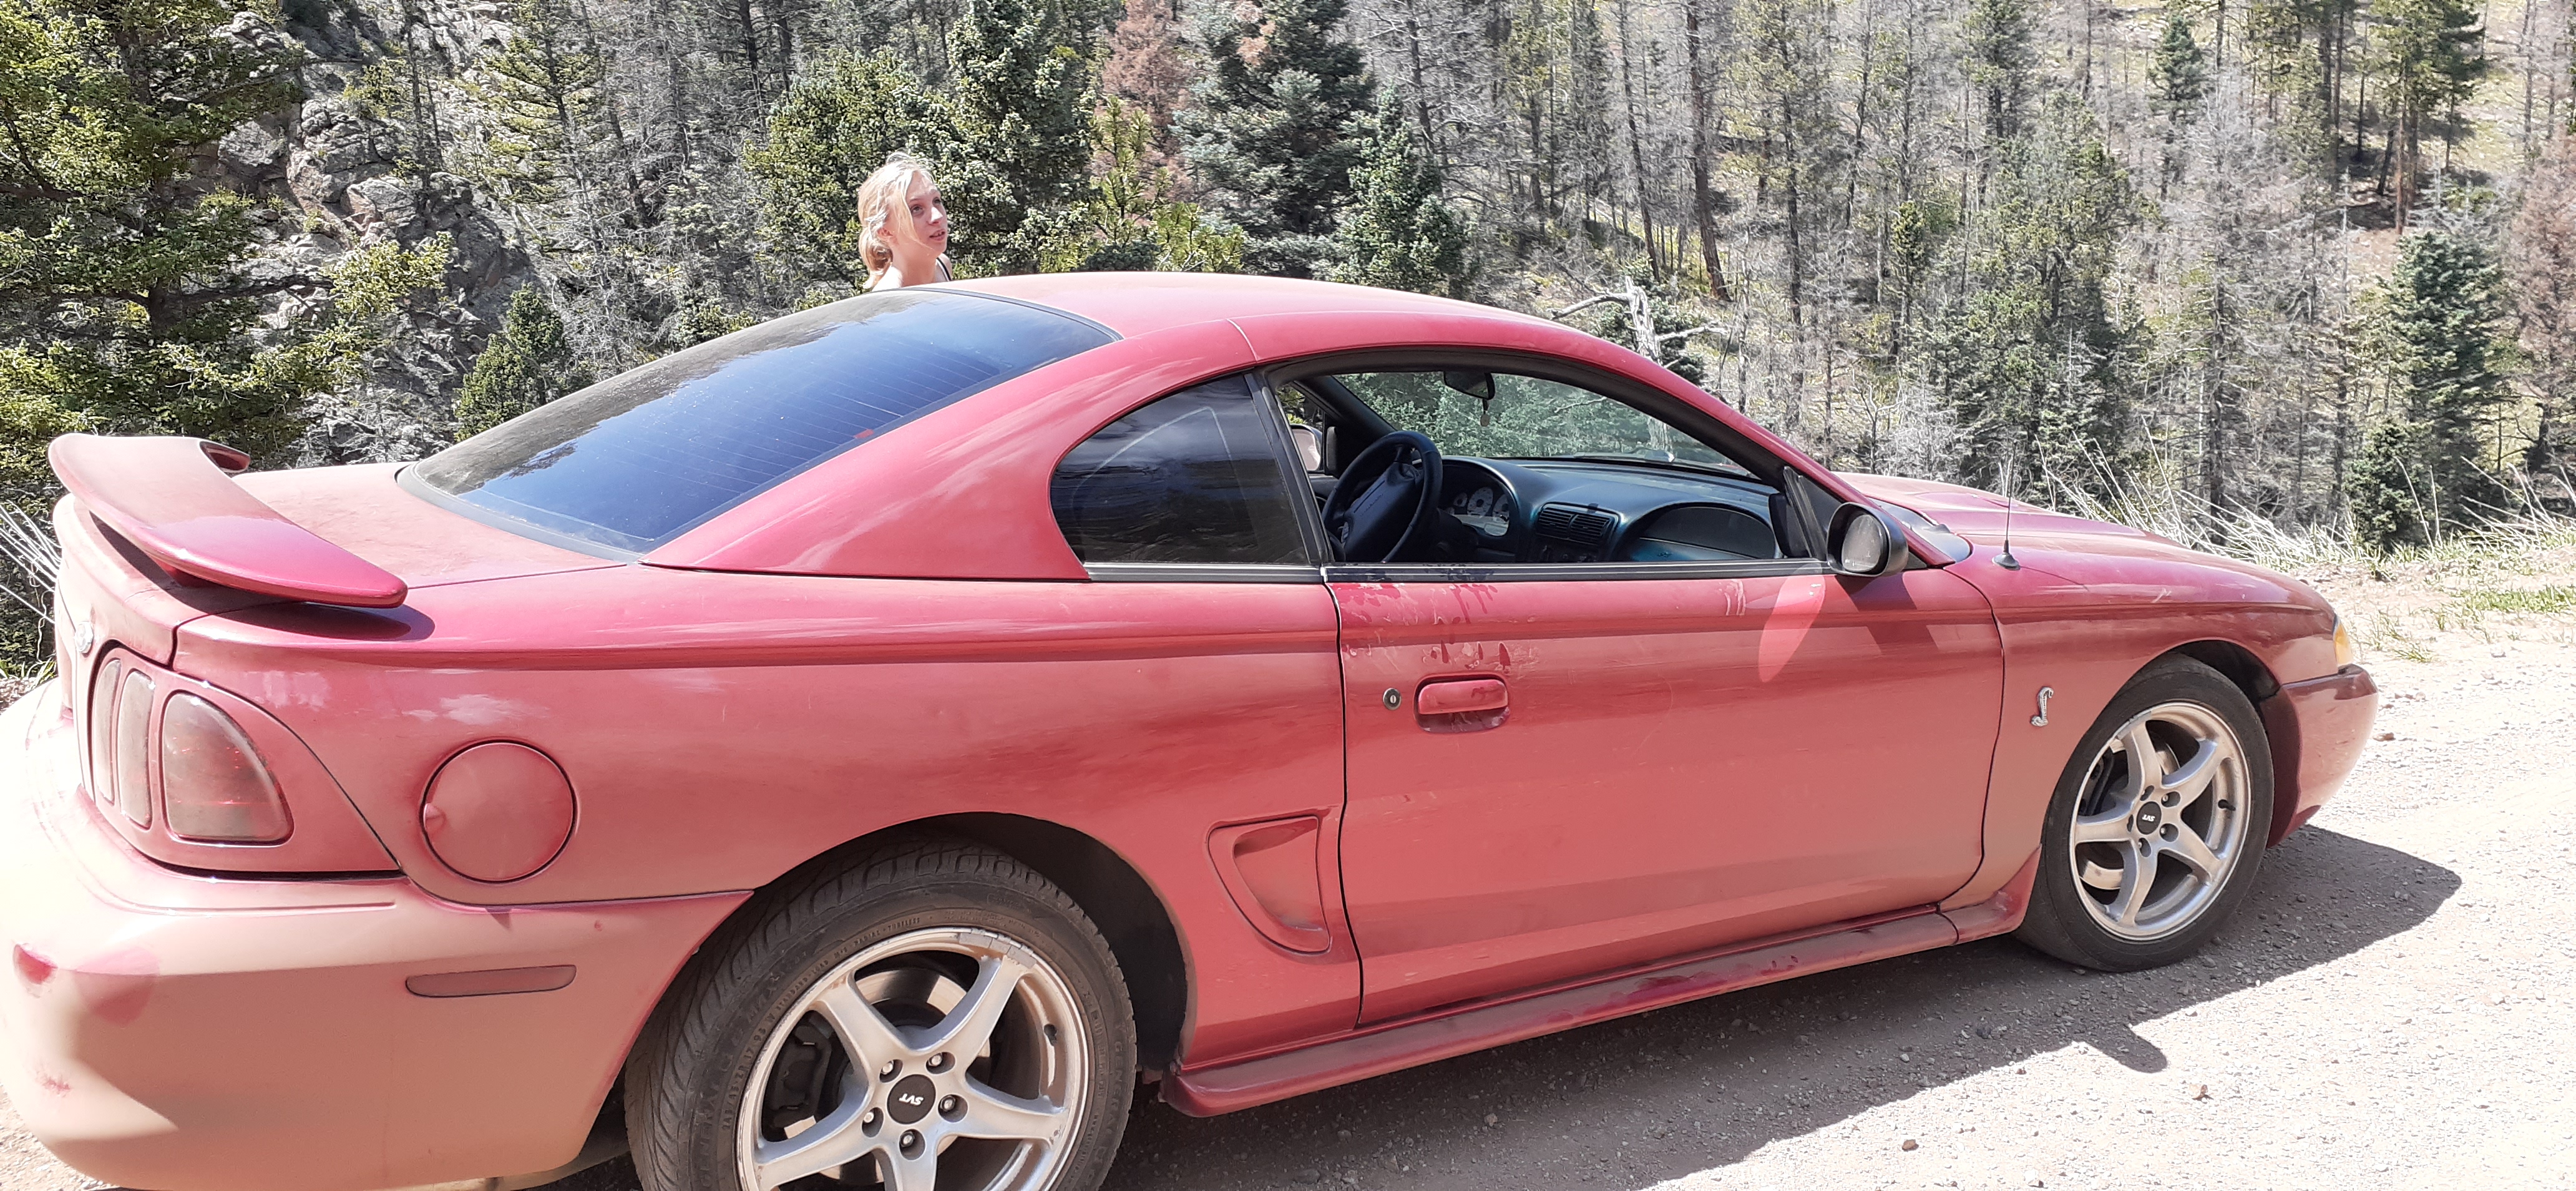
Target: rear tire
934,1012
2140,864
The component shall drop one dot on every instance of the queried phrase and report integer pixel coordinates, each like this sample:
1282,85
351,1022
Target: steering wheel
1384,499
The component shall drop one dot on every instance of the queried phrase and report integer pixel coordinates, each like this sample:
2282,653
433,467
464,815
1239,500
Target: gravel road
2393,1010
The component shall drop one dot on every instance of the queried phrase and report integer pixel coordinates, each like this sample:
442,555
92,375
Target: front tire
2157,829
934,1015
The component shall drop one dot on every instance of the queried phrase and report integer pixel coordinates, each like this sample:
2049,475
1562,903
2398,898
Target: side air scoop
172,497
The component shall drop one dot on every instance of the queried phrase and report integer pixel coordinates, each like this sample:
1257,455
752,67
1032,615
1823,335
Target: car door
1559,769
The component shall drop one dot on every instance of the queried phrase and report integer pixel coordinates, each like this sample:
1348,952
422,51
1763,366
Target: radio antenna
2011,473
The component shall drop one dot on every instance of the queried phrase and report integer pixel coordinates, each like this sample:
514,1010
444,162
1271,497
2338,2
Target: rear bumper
2318,728
186,1033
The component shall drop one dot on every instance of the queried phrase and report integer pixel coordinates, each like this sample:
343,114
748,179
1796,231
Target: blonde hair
880,197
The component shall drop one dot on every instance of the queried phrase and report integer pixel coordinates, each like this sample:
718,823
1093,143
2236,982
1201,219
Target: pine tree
2029,356
527,364
1019,115
1397,231
132,298
834,128
1132,219
2439,343
1269,131
124,300
545,92
2430,52
2177,71
2001,64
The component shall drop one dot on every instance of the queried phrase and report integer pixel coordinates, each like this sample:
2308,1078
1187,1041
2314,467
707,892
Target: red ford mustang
856,751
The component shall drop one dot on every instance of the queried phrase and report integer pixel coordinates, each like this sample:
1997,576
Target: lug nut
2169,831
952,1108
911,1143
870,1123
938,1063
893,1067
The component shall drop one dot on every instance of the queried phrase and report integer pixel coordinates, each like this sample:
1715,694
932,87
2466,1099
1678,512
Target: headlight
2345,654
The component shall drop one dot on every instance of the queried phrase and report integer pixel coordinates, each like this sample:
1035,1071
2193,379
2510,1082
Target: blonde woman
904,236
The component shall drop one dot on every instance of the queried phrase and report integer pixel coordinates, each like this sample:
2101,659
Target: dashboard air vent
1574,525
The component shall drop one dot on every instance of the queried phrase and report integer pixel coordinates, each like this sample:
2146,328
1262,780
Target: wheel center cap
910,1100
2150,817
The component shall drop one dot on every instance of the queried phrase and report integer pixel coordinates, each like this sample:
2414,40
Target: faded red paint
2000,913
1691,791
117,985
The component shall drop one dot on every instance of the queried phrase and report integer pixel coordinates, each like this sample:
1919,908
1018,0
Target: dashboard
1576,511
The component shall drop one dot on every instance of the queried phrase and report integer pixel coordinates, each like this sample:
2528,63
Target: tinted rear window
636,460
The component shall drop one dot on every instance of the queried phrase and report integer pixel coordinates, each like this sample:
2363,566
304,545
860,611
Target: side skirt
1379,1050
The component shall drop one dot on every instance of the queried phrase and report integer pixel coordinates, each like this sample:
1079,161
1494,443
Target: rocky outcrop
344,176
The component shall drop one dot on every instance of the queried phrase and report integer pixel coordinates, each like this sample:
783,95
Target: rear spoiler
175,499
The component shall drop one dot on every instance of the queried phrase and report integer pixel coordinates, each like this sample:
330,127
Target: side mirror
1861,542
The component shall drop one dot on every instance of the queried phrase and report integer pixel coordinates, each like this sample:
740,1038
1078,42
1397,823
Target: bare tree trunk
1790,193
1703,194
2213,446
750,42
1636,138
1421,78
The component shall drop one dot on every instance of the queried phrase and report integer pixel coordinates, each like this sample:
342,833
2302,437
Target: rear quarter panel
720,729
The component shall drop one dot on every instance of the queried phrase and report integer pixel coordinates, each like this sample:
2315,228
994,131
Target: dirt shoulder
2389,1012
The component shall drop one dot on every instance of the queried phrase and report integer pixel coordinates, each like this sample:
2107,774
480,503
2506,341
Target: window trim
1568,572
1283,451
1202,572
405,480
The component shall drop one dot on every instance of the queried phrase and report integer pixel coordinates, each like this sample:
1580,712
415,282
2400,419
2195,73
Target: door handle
1461,704
1449,696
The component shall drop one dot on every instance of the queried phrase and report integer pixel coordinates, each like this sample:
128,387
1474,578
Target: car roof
1133,304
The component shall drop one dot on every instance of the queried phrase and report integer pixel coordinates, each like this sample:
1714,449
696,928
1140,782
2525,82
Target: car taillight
132,747
213,785
102,733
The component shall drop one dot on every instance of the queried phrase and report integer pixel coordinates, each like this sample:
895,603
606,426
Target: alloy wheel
948,1059
2161,822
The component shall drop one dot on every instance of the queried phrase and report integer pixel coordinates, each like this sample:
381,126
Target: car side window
1195,477
1546,471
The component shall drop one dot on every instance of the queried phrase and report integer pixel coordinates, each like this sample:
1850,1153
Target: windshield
1503,416
634,461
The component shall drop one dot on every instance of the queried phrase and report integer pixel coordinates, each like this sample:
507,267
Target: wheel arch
2240,667
1131,915
2236,663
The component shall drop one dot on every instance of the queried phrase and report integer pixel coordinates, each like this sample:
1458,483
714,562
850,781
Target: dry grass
2515,581
2513,578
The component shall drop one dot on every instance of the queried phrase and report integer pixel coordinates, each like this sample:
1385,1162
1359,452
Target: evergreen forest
2235,267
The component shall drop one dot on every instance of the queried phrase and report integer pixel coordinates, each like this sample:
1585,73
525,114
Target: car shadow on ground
1695,1086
